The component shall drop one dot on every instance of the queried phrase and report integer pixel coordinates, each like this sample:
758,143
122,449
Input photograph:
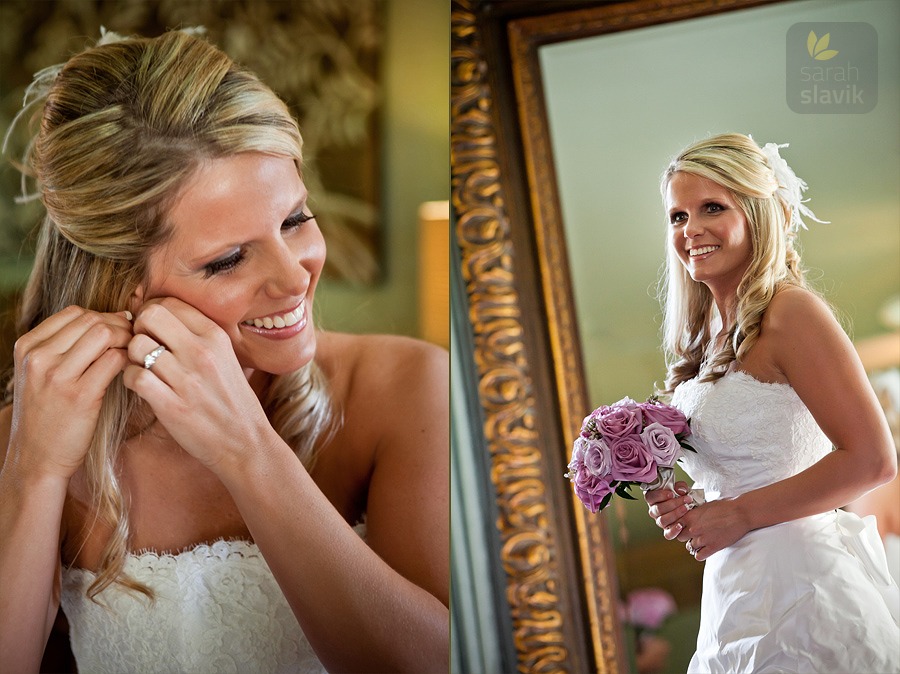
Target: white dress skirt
811,595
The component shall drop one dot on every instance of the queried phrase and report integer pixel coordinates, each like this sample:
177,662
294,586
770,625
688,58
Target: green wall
415,164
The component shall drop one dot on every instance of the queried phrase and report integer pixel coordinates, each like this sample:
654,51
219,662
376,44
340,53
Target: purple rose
591,490
625,403
577,462
597,459
631,460
670,417
620,420
662,444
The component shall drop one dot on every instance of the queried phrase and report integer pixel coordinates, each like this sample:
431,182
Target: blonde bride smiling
204,480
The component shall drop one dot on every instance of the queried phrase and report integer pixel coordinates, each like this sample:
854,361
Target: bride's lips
709,250
282,325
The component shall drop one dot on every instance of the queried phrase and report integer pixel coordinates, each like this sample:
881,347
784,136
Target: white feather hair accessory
790,187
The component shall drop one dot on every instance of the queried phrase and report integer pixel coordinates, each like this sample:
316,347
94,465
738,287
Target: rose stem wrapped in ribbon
628,443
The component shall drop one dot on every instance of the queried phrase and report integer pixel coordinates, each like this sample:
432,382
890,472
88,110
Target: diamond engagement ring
150,358
690,548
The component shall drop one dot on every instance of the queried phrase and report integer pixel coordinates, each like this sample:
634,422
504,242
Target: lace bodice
217,609
747,433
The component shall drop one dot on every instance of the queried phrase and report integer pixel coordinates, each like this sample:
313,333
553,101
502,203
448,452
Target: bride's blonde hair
122,127
737,163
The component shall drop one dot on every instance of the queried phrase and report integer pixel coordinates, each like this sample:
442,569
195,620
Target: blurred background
369,84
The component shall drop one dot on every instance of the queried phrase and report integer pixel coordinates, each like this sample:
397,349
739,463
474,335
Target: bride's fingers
656,496
670,533
164,364
156,321
62,331
679,506
91,345
150,387
104,369
166,313
669,518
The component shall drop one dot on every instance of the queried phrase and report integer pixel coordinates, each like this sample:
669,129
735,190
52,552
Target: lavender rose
631,460
591,490
670,417
577,462
662,444
620,420
597,459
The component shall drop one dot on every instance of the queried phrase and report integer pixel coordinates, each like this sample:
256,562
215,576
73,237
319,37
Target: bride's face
708,230
246,252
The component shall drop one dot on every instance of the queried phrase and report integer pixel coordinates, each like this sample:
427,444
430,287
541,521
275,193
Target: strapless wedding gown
218,609
810,595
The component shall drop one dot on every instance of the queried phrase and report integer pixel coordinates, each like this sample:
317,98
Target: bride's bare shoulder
368,371
378,358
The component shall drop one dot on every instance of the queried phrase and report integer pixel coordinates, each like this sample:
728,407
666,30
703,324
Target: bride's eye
713,207
297,219
224,265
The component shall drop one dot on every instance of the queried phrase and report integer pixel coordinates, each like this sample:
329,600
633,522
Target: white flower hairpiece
790,187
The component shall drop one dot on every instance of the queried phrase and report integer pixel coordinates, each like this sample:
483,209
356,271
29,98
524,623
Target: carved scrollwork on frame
505,385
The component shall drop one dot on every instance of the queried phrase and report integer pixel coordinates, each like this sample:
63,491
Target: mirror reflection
619,107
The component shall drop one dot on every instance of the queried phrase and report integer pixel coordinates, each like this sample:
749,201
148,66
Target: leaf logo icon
818,47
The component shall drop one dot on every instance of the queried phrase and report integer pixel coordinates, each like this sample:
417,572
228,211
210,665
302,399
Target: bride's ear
137,299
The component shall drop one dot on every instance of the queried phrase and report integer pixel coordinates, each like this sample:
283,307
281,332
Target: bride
786,426
202,479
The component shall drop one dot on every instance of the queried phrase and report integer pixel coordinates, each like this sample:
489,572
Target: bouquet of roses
627,443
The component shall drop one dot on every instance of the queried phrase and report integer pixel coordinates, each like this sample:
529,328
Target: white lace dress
811,595
217,609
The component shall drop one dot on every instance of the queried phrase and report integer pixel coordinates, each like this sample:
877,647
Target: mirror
563,121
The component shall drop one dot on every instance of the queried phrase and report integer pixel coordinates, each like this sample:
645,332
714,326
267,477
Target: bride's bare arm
821,365
62,368
30,514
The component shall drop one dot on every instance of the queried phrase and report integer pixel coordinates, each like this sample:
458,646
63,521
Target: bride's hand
196,388
667,508
712,527
62,370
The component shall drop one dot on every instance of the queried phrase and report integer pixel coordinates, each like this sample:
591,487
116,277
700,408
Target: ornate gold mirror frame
560,576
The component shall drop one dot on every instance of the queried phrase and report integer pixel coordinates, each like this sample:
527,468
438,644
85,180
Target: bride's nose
692,229
287,276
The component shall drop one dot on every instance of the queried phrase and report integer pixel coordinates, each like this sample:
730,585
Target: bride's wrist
250,457
747,515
